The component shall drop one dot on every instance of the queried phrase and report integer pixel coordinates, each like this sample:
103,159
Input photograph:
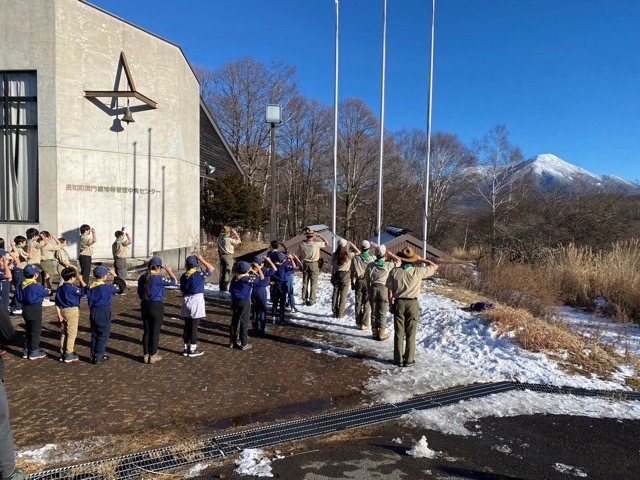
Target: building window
18,147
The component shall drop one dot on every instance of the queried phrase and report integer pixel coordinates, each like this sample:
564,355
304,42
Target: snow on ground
456,347
422,450
254,462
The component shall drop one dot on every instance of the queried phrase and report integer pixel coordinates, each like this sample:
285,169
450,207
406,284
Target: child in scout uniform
192,287
259,293
31,294
358,266
226,249
285,266
47,260
68,309
240,289
100,296
87,239
404,284
151,287
20,257
375,278
120,250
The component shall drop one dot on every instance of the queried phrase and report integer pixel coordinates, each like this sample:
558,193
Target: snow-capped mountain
549,172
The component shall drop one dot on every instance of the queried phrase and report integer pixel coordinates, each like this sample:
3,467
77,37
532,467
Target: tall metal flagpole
335,130
429,109
382,95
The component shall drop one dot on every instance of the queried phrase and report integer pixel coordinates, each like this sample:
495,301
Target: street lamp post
273,117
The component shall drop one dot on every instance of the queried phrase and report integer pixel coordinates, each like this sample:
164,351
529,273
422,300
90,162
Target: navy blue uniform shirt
30,292
68,295
101,294
192,283
240,287
157,284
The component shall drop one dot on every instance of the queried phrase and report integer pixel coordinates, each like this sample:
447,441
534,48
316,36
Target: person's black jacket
6,332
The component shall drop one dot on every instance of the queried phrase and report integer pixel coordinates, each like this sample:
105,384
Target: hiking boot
246,347
382,335
155,358
17,475
374,332
409,364
70,357
37,354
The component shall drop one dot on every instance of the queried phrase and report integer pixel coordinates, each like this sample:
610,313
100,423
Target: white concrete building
68,72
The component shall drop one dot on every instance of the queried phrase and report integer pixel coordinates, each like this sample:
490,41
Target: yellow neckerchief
28,281
190,272
97,283
242,275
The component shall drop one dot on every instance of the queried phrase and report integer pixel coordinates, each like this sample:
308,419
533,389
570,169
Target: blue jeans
292,298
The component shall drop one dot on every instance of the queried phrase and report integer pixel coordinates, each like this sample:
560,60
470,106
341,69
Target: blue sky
563,76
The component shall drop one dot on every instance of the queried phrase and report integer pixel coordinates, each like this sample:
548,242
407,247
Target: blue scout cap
191,261
100,271
280,257
258,259
31,270
243,267
155,262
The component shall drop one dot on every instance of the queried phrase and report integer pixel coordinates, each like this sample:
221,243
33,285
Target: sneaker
145,359
71,357
62,357
99,359
155,358
16,311
232,345
37,355
195,353
17,474
25,353
185,352
293,310
246,347
409,364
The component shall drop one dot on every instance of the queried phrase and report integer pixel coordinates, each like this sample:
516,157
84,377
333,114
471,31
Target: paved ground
139,406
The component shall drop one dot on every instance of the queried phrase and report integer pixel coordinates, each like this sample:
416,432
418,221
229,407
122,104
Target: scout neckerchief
379,262
365,256
97,283
27,282
190,272
407,266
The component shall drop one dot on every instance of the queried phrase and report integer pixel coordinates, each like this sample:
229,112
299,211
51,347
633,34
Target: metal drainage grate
166,458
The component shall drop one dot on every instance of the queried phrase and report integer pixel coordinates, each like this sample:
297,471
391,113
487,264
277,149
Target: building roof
214,149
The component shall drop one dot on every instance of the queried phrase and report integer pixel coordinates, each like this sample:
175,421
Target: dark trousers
279,303
7,453
5,289
226,264
241,310
120,266
259,308
32,315
18,277
152,314
100,319
85,267
190,334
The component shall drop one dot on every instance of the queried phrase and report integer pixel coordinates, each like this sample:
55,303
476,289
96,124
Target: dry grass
210,251
572,351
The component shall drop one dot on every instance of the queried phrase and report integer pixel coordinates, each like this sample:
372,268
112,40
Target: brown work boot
155,358
374,331
382,334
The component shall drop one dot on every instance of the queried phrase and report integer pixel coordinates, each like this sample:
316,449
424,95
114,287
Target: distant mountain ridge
548,172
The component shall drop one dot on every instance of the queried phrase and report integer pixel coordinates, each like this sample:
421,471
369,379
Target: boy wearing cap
286,265
404,289
20,257
375,279
100,296
310,255
151,287
31,294
259,293
192,287
68,309
358,266
341,266
240,289
226,249
120,250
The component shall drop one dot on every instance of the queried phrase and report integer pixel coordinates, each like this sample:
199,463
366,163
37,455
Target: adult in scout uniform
226,248
358,266
47,260
375,279
87,239
310,256
120,250
341,266
404,288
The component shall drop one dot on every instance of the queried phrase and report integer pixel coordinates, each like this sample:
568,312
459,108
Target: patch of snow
254,462
196,470
422,450
562,468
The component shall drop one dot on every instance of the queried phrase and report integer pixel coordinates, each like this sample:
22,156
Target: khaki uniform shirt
36,253
358,265
377,276
227,245
63,257
310,252
120,249
86,245
22,257
342,268
49,251
406,283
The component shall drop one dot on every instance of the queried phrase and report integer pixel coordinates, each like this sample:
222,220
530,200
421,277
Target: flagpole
335,128
429,111
382,98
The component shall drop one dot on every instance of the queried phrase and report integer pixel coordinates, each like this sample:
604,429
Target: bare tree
237,93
